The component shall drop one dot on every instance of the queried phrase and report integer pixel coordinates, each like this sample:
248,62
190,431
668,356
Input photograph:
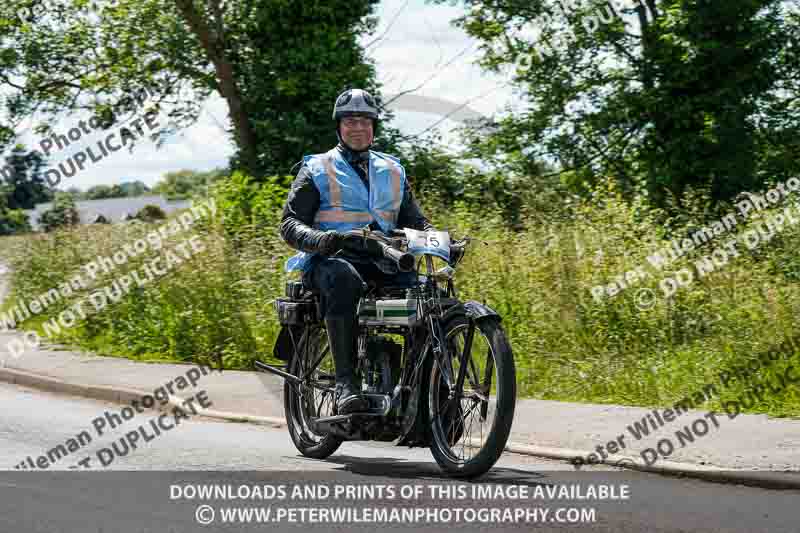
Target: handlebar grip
405,261
456,253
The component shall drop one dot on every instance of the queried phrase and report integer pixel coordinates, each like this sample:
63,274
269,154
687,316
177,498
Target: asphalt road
142,490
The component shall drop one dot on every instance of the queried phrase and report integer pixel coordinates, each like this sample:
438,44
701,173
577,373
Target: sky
415,47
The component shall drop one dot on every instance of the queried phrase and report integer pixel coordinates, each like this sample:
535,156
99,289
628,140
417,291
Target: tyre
302,402
469,433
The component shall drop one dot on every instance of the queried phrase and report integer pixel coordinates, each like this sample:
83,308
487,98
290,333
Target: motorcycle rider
345,188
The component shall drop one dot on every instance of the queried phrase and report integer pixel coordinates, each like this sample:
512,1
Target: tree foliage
150,213
21,180
120,190
676,94
278,64
62,214
12,221
184,184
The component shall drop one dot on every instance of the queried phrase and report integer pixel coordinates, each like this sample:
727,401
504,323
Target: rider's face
356,132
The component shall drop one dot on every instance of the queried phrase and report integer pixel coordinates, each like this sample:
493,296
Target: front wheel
469,432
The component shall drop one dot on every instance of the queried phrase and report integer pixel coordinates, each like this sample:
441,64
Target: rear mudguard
284,349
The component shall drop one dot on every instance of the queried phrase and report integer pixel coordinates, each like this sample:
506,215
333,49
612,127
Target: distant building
112,209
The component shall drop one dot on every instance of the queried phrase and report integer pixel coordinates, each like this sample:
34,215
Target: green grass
567,345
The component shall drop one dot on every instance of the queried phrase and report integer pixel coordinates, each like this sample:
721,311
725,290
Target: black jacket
303,203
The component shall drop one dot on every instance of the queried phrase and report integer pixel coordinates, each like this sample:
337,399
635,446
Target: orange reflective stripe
338,215
394,168
391,215
333,183
387,215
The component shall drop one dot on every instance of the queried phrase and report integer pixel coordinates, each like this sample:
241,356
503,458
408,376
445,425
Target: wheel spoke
310,370
487,376
474,380
468,431
313,396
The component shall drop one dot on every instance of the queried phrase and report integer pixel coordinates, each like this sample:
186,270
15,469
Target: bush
13,221
250,207
62,214
215,304
150,213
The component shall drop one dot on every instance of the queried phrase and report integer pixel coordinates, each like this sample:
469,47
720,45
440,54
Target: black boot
341,334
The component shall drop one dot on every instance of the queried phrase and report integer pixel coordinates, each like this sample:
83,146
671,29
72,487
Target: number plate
428,242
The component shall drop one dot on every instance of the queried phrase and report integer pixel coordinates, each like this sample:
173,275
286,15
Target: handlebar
379,244
404,260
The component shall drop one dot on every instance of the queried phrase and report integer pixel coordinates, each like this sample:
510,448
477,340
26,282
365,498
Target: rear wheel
469,432
303,402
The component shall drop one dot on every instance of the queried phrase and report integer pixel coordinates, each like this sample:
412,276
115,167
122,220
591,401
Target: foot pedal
327,423
379,404
334,419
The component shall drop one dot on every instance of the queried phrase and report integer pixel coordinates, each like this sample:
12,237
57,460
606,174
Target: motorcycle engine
385,355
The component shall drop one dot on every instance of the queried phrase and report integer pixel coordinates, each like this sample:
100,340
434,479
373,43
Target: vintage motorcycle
448,384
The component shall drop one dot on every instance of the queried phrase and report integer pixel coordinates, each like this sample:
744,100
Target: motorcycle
437,372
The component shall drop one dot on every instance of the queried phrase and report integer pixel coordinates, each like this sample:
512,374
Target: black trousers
339,282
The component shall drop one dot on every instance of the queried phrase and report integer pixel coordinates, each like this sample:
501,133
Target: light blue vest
344,201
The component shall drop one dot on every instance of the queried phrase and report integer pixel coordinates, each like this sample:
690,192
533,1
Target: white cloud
422,46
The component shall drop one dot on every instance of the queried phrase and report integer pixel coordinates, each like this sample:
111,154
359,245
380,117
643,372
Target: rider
345,188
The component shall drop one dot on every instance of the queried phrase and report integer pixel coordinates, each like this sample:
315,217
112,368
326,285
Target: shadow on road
391,467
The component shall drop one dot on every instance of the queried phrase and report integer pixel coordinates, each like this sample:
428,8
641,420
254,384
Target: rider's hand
333,241
329,243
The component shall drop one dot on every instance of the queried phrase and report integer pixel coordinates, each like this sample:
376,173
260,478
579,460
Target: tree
186,183
121,190
62,214
12,221
134,188
98,192
279,65
292,92
150,213
21,179
677,93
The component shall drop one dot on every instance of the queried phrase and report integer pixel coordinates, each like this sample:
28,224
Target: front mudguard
474,310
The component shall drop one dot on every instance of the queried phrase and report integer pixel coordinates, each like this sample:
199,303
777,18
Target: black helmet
355,102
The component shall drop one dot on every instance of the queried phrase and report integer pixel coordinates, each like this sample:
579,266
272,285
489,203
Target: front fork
444,359
455,384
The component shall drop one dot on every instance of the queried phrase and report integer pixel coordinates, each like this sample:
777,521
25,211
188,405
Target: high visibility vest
345,203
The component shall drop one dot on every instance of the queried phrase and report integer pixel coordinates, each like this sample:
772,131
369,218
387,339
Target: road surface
142,491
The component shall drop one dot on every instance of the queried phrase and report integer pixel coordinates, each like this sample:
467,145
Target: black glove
329,243
333,241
